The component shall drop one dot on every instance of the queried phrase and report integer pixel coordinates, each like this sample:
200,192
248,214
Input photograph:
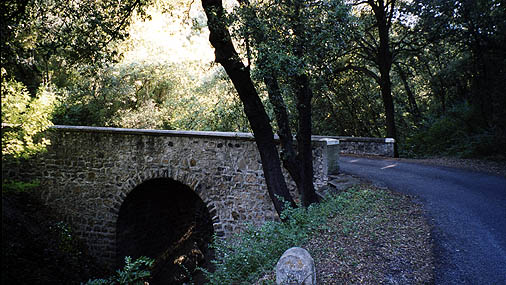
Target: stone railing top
179,133
358,139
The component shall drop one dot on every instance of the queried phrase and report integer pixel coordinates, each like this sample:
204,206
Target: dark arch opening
165,220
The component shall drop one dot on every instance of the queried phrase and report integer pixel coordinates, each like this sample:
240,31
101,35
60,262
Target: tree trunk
288,154
304,96
227,56
384,59
411,97
299,165
388,104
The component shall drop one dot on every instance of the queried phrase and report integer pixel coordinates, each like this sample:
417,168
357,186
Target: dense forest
429,73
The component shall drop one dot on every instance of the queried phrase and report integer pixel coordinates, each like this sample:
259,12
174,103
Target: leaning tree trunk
288,155
239,74
298,164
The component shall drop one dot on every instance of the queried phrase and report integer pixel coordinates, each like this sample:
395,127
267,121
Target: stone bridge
123,188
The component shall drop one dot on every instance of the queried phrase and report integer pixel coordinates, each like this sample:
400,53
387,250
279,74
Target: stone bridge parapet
364,145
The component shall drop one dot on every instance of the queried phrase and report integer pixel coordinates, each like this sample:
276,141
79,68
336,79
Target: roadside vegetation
364,235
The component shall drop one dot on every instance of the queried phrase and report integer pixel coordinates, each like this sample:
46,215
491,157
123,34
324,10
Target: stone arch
192,181
166,220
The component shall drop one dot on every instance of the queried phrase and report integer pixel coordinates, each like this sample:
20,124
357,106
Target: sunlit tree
24,118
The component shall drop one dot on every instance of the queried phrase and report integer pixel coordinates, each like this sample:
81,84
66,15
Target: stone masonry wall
365,145
87,173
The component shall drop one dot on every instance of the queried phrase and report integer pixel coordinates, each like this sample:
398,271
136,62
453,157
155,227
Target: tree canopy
429,73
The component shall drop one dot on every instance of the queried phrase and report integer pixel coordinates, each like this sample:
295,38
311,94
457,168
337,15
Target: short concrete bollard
296,266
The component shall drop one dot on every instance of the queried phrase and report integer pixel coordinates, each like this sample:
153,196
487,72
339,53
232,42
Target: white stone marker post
296,266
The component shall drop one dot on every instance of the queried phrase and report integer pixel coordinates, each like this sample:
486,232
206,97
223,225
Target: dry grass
385,241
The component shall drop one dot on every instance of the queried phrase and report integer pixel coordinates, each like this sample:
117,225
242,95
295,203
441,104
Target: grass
364,235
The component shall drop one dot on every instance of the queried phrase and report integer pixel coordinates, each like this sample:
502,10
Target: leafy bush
18,186
66,240
459,133
248,255
25,118
134,273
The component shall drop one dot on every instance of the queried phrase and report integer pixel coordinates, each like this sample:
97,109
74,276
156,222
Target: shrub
25,118
134,273
18,186
461,133
248,255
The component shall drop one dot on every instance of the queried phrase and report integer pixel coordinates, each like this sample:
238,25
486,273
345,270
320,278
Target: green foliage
134,273
254,251
349,104
66,241
460,79
152,95
25,118
245,257
450,52
98,94
18,186
41,39
458,133
286,39
110,79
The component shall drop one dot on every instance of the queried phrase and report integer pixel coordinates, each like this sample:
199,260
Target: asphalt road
466,209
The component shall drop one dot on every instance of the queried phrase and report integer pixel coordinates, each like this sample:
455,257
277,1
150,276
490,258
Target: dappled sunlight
165,79
169,37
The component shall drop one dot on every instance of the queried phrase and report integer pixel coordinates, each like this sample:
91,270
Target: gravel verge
385,241
389,243
496,167
491,166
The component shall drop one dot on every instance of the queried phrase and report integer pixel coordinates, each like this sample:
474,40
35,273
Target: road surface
467,211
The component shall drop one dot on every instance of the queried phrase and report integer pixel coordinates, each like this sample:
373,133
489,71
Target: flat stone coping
357,139
178,133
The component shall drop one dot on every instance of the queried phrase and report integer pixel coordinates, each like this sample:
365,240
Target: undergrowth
9,186
135,272
461,132
247,256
